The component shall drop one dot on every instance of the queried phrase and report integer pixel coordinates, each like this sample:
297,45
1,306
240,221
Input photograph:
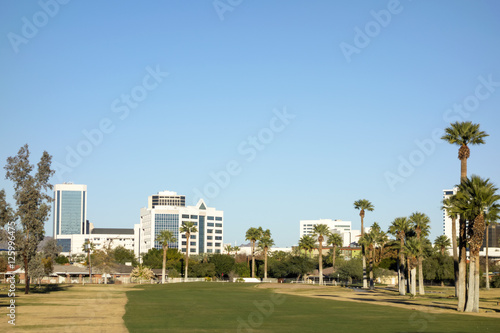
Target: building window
184,236
209,251
218,218
210,244
217,244
218,238
217,250
210,231
210,224
183,242
194,217
210,237
218,231
192,237
210,218
192,250
192,243
185,216
183,249
218,225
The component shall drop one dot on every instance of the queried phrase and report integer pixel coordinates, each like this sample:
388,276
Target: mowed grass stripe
228,307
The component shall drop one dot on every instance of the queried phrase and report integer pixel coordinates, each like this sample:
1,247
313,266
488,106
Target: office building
447,229
343,228
167,211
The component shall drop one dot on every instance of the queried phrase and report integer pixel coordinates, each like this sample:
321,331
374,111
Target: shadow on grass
48,288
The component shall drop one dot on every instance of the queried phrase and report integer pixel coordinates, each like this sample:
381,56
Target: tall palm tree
413,250
228,248
320,231
187,228
420,223
253,235
463,134
307,243
265,242
442,242
334,240
363,205
236,249
399,228
475,195
165,237
453,214
491,216
368,240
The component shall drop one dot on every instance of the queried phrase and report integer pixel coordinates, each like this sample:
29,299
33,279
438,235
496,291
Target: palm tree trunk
471,288
487,264
455,253
320,259
253,259
463,169
334,255
265,262
462,268
401,271
413,281
188,235
421,290
475,307
409,279
365,283
371,269
164,264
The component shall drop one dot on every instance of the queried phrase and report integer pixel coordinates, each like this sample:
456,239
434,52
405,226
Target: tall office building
167,211
70,213
447,230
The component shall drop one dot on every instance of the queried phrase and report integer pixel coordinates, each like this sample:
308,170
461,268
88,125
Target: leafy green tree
363,206
50,249
164,238
104,262
61,260
253,235
420,223
122,255
33,203
399,228
202,269
265,242
350,269
37,268
223,264
187,228
7,217
152,258
463,134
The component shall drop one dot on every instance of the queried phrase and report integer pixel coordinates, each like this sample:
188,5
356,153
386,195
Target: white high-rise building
343,228
447,230
70,213
167,211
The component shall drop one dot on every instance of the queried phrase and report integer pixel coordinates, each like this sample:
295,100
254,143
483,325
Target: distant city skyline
272,112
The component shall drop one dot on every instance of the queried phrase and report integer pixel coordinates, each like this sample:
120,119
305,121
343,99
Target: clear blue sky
363,81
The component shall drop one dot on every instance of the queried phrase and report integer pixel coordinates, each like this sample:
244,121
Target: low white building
343,228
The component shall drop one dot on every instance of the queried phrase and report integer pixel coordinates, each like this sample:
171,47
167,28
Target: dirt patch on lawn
435,301
89,308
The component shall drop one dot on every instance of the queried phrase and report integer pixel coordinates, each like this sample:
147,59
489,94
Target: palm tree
453,214
265,242
187,228
442,242
368,240
413,249
320,231
420,223
399,228
236,249
253,235
307,243
334,240
228,248
475,195
491,216
363,205
463,134
165,237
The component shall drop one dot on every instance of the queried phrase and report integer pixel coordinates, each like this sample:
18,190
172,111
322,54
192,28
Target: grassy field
224,307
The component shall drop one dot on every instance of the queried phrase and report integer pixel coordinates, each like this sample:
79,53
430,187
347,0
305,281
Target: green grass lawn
231,307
